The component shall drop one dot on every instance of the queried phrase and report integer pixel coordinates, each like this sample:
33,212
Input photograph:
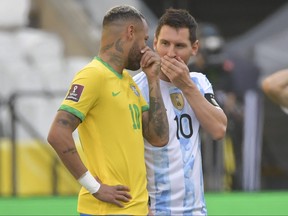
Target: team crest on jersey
177,100
134,90
75,92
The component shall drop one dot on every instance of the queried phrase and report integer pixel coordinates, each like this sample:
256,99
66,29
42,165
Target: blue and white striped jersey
174,172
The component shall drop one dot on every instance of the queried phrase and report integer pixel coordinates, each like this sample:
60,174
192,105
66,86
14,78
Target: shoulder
199,78
89,68
198,75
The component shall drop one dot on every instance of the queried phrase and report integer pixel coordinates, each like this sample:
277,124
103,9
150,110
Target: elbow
219,134
159,141
51,139
157,136
220,131
163,142
269,89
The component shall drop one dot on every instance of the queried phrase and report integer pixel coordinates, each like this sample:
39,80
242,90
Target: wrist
89,182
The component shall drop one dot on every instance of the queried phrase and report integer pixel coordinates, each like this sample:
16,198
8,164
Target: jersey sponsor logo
134,90
115,93
75,92
210,97
177,100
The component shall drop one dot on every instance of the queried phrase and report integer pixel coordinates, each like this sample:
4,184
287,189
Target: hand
150,63
176,70
113,194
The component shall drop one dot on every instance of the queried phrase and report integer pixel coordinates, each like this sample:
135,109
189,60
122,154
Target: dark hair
178,18
122,13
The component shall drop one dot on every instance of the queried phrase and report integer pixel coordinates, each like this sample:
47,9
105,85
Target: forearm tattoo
70,150
70,122
157,114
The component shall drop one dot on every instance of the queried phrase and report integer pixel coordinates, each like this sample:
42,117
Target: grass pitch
220,204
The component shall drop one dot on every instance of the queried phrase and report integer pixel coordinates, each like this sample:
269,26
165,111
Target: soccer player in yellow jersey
112,117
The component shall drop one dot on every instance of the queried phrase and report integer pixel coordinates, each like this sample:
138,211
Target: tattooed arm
155,122
61,139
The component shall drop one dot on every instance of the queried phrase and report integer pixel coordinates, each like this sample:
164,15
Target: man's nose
171,52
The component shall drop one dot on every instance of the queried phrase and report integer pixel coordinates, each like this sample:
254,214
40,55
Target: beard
134,58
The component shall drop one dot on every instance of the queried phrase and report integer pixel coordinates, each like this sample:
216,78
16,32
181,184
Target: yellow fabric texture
110,106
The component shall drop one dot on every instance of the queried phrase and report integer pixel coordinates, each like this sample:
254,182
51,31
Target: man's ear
195,47
155,43
130,31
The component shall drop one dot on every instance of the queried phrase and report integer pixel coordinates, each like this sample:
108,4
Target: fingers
124,195
122,198
122,188
121,195
149,58
176,70
169,64
119,204
146,60
166,66
179,59
113,194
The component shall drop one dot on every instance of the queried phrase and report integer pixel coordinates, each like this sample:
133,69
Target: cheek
161,51
185,56
141,46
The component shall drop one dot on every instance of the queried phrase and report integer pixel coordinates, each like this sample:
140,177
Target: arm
275,86
212,119
61,139
155,122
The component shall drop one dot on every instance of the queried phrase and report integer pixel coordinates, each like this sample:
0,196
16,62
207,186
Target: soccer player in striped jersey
111,116
174,172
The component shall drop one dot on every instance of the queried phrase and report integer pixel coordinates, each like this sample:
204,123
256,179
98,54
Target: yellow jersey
110,107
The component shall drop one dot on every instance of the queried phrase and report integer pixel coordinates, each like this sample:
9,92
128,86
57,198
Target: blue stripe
161,168
188,161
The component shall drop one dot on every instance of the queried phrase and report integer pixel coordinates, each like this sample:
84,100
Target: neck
115,61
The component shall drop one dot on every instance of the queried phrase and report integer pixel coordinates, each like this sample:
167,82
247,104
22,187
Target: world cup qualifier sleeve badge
75,92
